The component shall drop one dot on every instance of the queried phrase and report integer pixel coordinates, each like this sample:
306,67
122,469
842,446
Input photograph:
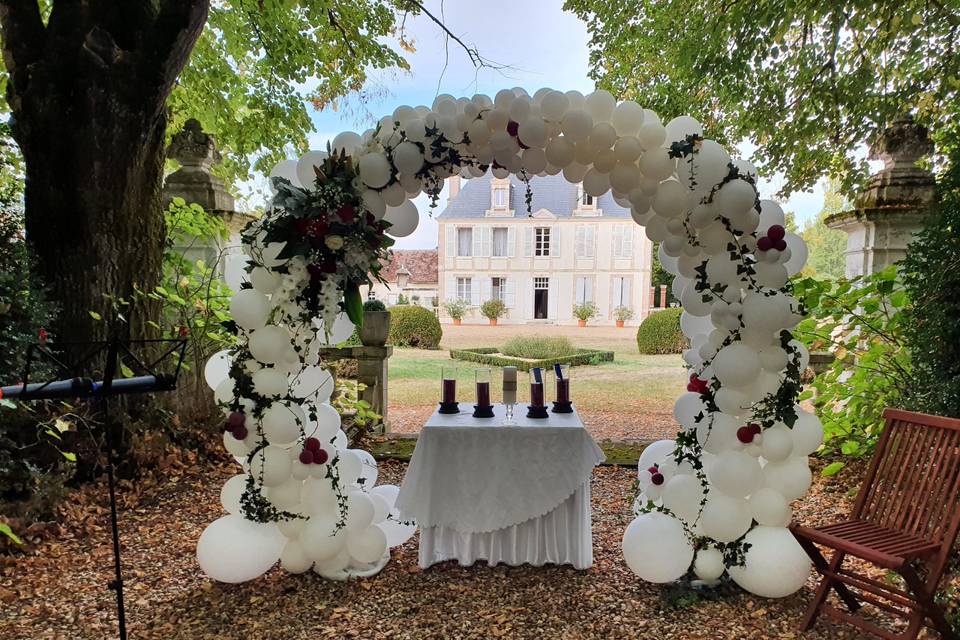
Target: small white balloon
306,167
708,565
775,564
656,547
367,546
232,491
217,369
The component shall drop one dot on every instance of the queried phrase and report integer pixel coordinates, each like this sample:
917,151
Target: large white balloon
656,547
306,167
655,453
725,518
775,564
250,308
403,219
367,546
217,369
234,550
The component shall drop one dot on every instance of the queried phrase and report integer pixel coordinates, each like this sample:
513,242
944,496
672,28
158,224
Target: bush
493,309
413,326
584,311
455,308
490,356
660,333
374,305
538,348
402,299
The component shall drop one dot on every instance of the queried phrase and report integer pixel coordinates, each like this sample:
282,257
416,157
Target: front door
541,288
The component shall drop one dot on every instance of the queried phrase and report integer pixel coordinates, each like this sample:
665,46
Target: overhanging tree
91,87
808,81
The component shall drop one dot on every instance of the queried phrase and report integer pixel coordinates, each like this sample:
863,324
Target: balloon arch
716,499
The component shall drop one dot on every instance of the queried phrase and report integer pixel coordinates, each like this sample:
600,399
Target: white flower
334,243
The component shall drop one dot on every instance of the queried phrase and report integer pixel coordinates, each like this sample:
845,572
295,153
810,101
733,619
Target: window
586,200
622,241
465,241
465,289
501,197
541,241
541,283
620,296
499,242
498,289
584,290
585,240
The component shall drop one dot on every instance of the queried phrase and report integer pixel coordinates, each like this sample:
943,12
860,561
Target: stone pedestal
894,204
372,372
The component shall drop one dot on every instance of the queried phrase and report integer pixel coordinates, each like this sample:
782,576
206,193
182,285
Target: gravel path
56,591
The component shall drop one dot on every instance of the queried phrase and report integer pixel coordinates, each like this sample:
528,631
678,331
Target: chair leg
924,593
821,565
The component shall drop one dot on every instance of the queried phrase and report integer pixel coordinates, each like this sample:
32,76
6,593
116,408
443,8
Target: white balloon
360,511
404,219
347,142
718,434
681,127
217,369
600,104
388,492
397,532
250,308
349,466
234,447
270,382
627,118
232,491
321,539
317,496
682,495
282,422
313,382
735,473
777,442
271,345
271,466
294,559
655,453
725,518
306,173
687,408
736,365
709,564
775,563
798,253
232,549
770,508
374,170
367,546
807,433
286,169
792,477
656,547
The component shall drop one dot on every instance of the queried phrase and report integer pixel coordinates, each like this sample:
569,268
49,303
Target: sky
542,45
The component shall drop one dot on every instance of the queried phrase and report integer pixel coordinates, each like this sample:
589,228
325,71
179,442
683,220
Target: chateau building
570,248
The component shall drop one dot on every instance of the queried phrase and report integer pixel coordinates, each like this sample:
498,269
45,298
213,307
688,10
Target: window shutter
555,241
617,291
580,290
617,243
474,292
511,241
578,246
588,290
528,241
510,297
451,248
590,241
552,302
487,241
451,289
625,296
627,241
477,241
486,293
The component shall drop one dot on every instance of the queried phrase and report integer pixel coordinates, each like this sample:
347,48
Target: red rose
346,213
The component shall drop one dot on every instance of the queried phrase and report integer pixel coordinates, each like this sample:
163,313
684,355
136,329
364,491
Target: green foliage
402,299
493,309
538,347
826,246
660,332
623,313
455,308
374,305
493,357
359,415
414,326
584,310
807,82
861,323
931,276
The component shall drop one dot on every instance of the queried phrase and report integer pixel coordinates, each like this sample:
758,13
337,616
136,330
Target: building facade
571,248
410,273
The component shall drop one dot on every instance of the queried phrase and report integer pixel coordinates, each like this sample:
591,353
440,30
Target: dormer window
586,200
586,204
501,196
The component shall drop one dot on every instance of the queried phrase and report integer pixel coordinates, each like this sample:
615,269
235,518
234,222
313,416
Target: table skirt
562,536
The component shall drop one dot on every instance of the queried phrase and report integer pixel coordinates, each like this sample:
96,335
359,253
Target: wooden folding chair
905,520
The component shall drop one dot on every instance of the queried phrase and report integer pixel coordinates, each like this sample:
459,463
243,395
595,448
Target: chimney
454,184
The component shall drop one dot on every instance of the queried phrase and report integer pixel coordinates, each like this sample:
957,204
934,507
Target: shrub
455,308
490,356
623,313
660,333
493,309
584,311
402,299
413,326
537,347
374,305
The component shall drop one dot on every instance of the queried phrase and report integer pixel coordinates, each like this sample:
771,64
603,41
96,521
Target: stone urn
375,329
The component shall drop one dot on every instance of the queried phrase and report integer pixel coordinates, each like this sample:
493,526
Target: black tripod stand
79,380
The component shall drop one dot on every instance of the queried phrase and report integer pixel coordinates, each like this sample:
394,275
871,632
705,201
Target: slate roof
552,193
419,264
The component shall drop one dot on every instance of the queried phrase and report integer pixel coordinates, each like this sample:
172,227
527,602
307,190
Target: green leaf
126,371
354,304
832,469
7,531
96,316
72,457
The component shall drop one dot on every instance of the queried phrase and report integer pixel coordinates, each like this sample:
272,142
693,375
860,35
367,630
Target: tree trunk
88,91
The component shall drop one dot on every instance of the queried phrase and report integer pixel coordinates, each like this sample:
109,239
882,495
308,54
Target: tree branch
476,59
176,30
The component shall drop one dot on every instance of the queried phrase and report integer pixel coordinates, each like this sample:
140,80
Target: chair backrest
913,483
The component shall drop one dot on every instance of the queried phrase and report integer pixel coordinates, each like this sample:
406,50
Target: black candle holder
563,407
482,412
537,412
449,407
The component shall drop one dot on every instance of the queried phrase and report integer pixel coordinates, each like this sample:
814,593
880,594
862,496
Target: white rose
334,243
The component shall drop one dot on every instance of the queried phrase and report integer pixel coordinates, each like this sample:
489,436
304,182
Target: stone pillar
371,372
653,297
663,296
894,203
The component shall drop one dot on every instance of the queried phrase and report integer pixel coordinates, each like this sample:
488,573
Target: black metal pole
117,583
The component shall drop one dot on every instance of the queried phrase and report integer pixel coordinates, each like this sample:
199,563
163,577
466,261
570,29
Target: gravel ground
656,422
56,589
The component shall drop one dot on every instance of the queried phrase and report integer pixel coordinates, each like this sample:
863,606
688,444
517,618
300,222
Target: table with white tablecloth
480,489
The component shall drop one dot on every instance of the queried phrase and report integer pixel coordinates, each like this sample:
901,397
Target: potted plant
493,309
376,324
583,312
621,314
455,308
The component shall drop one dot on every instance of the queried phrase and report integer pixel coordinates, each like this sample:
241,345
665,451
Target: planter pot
493,322
456,322
620,324
582,323
375,329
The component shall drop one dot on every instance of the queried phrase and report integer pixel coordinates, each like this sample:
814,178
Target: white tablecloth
518,493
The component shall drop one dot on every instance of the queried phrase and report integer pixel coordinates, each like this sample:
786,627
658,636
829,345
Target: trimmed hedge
538,347
660,333
492,356
414,326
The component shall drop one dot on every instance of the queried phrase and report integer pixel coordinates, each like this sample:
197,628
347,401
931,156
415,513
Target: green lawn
632,383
